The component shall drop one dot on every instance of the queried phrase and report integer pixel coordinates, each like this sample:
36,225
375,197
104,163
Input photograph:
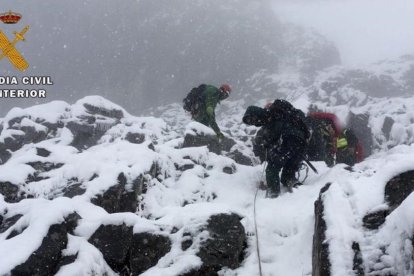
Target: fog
150,52
364,31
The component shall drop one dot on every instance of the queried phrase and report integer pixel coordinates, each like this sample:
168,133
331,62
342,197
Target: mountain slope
84,175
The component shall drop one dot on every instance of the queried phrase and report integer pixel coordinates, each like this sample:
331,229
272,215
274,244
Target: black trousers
286,157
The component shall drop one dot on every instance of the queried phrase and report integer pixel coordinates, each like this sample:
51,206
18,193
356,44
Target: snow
184,200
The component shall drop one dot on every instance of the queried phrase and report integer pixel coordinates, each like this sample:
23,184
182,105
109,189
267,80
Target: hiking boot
297,184
290,184
271,194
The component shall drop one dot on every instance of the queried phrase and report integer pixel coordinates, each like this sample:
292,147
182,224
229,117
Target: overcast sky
364,30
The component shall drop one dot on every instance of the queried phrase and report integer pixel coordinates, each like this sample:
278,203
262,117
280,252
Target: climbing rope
303,166
257,235
255,219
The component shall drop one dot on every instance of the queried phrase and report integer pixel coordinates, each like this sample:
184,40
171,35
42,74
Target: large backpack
194,100
284,110
256,116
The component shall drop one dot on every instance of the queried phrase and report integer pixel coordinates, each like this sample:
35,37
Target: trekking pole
311,166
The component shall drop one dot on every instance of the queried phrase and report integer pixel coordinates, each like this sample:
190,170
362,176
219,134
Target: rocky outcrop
10,192
399,188
375,219
210,141
225,245
114,242
146,250
320,251
44,261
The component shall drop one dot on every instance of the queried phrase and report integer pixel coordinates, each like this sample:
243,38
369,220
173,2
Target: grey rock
374,220
114,242
321,265
399,188
10,192
42,152
358,263
210,141
44,261
225,246
146,250
135,138
65,260
110,199
73,190
111,113
9,222
240,158
84,135
129,197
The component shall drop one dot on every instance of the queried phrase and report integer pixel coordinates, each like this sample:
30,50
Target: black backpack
194,100
284,110
256,116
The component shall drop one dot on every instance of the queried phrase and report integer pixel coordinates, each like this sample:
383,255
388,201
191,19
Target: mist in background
146,53
364,31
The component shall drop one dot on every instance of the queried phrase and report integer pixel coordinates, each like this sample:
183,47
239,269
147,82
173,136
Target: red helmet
225,88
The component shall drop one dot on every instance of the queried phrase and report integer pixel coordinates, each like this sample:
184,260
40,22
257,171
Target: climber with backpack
201,102
283,136
349,149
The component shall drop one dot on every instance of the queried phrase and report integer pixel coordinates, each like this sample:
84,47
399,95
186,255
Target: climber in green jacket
210,96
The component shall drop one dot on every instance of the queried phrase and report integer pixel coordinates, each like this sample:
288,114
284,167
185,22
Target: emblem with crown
10,17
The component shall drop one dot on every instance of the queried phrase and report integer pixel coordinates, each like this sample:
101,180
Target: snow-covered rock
136,199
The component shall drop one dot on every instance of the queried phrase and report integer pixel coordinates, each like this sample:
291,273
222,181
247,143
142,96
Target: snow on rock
131,197
384,247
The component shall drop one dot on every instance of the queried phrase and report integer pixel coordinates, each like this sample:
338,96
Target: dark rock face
129,197
111,113
73,190
110,199
44,261
358,265
399,188
186,241
240,158
114,243
374,220
4,154
321,265
9,191
42,152
146,250
27,135
41,167
135,138
225,246
227,144
71,222
210,141
65,260
8,222
122,197
229,169
84,135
